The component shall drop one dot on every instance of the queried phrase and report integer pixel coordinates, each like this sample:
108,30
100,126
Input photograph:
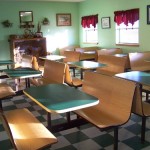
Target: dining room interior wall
106,8
10,10
57,36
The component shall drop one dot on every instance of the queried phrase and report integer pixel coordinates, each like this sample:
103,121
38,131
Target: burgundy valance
127,16
86,21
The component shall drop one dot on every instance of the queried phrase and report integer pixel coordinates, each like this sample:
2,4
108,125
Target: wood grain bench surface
87,56
114,108
25,131
115,95
54,72
71,81
138,63
5,90
141,108
113,66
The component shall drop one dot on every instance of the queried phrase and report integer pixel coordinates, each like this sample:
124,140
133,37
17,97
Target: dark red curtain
127,16
86,21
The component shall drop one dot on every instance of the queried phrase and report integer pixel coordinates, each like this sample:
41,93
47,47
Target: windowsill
90,43
128,44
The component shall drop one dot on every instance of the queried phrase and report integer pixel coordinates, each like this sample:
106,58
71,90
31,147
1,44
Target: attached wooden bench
71,81
113,66
67,48
108,51
54,72
84,52
71,56
114,108
138,63
5,92
25,131
142,109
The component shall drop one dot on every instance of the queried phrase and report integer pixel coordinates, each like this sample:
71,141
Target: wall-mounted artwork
63,19
105,22
148,14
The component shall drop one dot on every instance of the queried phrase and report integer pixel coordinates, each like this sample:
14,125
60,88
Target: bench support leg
116,138
68,117
81,73
74,73
143,129
1,107
49,124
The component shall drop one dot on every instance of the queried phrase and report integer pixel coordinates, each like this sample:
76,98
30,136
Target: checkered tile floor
86,137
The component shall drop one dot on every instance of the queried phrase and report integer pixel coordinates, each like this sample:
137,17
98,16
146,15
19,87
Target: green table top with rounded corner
140,77
60,98
6,62
87,64
52,57
22,72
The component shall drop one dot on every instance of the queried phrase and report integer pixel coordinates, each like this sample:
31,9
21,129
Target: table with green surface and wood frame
86,65
23,73
60,98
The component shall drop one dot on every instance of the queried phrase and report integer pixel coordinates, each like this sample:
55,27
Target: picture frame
39,34
63,19
148,14
105,22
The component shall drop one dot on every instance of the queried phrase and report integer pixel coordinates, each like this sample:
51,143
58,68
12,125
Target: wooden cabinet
32,46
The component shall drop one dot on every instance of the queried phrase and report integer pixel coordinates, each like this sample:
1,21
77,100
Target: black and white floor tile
86,137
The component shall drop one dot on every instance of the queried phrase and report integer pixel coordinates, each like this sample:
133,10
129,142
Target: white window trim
118,42
85,38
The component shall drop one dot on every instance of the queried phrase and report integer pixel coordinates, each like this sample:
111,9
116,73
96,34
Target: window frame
85,35
118,29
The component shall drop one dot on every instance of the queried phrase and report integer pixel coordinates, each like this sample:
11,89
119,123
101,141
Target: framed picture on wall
105,22
148,14
63,19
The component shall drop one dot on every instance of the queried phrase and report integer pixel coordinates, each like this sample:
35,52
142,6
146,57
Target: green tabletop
52,57
22,72
60,98
6,62
87,64
136,76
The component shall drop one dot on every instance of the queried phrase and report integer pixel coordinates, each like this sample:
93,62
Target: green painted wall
56,36
105,8
71,35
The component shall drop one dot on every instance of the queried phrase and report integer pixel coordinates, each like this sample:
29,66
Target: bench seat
113,66
25,131
114,108
5,92
54,72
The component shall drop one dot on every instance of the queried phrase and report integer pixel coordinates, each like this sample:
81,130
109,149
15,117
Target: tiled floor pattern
86,137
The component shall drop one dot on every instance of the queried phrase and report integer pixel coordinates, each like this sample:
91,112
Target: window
90,35
127,34
127,26
90,32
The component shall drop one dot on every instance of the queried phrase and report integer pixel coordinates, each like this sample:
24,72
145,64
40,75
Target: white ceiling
49,0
